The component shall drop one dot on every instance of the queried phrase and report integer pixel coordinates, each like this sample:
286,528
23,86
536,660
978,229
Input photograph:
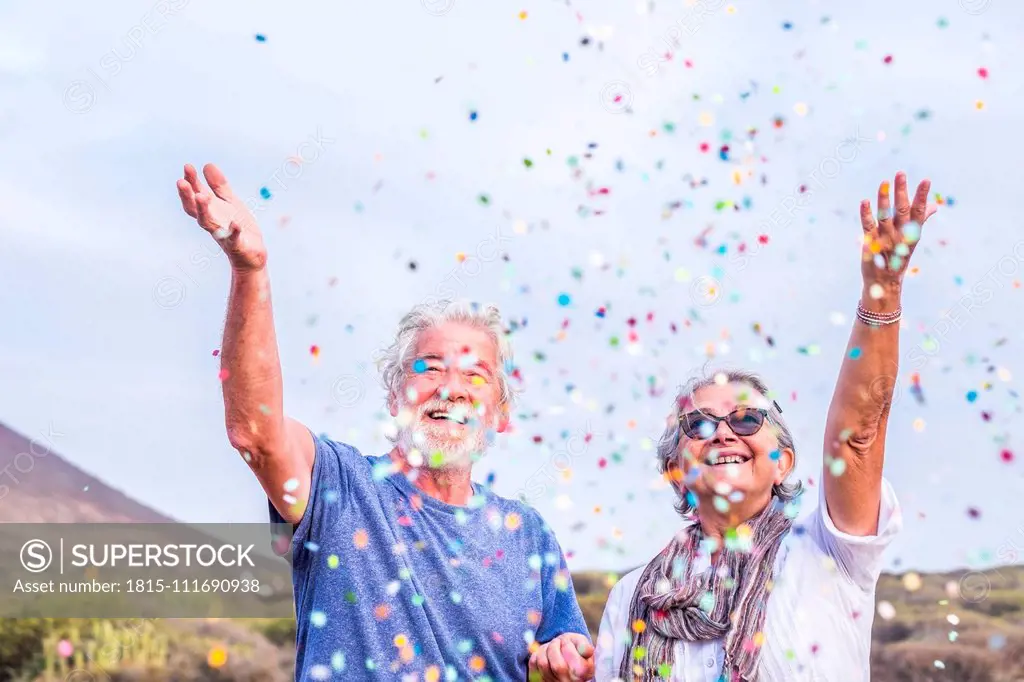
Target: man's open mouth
459,417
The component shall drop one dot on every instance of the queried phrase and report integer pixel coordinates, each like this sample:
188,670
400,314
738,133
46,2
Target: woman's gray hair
668,446
393,361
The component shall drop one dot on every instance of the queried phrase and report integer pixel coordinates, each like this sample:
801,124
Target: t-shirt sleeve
333,468
561,610
858,557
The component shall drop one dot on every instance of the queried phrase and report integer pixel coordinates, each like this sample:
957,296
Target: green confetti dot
528,163
613,342
418,599
332,561
665,670
837,466
484,200
350,597
265,410
436,459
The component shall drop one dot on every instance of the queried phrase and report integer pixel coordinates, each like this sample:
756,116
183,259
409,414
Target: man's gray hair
668,446
393,361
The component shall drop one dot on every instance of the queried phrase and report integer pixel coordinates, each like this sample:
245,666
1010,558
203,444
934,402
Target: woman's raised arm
859,412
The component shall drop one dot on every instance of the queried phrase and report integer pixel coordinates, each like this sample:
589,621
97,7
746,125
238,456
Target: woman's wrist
879,298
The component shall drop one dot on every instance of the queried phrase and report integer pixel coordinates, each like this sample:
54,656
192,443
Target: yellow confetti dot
401,641
360,539
332,561
979,105
522,15
919,425
432,674
759,639
217,657
460,256
800,108
639,626
912,582
512,521
706,119
477,663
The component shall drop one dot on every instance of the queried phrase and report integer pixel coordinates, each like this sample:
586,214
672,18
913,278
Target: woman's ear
787,458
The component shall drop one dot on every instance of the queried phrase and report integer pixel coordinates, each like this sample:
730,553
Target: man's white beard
458,452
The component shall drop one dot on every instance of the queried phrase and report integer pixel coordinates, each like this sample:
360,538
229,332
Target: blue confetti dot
260,38
472,116
786,25
972,396
774,455
264,192
565,56
855,353
563,299
420,366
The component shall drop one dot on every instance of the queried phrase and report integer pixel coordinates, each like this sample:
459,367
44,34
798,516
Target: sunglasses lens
746,422
699,427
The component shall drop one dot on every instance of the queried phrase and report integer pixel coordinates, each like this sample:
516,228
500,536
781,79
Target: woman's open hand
890,240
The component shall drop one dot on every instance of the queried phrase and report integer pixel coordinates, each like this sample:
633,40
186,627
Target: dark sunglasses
744,421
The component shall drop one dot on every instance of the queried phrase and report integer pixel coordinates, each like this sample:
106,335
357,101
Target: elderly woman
742,592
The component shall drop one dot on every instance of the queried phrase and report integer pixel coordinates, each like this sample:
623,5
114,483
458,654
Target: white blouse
818,624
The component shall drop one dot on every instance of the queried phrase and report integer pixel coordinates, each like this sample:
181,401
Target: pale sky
113,300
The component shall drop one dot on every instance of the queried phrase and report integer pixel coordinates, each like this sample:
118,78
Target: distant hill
49,489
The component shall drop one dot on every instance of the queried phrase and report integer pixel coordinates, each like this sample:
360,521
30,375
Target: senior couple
405,569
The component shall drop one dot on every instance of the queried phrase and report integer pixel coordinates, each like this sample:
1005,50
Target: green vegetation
952,627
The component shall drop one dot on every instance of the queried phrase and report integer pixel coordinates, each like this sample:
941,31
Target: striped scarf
729,600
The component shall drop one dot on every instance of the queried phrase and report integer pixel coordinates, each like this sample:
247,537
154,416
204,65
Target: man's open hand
567,658
221,213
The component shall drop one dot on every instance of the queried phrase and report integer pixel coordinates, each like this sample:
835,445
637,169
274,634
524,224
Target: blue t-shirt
390,582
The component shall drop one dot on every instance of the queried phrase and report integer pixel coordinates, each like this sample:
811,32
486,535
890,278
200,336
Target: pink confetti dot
1006,456
983,72
64,648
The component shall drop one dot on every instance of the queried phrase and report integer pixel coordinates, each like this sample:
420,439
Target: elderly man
403,568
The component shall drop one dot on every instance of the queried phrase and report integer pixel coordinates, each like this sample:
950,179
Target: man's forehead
459,345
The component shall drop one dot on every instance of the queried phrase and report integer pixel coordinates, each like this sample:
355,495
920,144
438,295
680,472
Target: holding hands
567,658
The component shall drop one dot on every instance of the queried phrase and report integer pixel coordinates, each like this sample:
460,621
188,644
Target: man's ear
503,418
785,463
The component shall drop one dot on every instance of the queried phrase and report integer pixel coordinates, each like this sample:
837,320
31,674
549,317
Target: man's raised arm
278,449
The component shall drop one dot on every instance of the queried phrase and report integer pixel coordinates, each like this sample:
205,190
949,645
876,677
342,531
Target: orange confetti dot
382,611
360,539
432,674
460,256
223,375
533,617
639,626
217,657
477,663
512,521
314,350
407,654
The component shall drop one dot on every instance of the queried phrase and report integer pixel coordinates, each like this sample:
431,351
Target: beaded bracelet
878,319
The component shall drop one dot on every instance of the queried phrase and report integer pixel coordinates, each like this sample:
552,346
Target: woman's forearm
857,419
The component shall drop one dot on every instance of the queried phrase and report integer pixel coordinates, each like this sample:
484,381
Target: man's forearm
253,402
